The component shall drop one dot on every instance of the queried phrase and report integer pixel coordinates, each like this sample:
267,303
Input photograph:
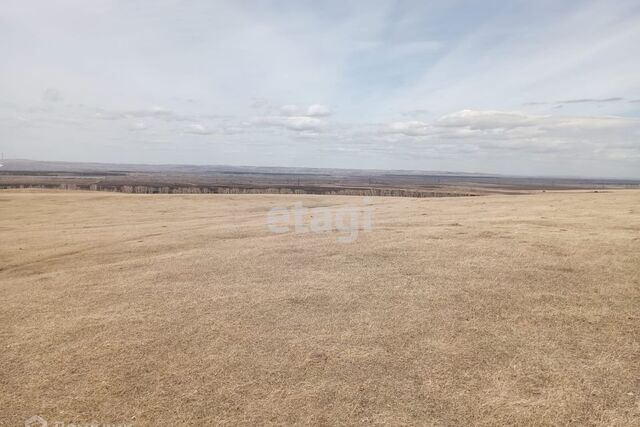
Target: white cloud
291,110
306,120
258,75
614,137
155,112
409,128
317,110
296,123
485,120
313,110
198,129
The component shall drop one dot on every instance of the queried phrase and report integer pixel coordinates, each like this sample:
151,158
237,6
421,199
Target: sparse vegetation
182,310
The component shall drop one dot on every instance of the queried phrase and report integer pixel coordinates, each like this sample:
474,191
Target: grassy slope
183,309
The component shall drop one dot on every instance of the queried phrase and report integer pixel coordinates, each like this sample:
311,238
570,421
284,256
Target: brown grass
179,310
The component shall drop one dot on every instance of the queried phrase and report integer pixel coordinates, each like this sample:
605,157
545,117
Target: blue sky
517,87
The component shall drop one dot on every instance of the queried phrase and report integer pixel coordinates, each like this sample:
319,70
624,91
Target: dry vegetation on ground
185,309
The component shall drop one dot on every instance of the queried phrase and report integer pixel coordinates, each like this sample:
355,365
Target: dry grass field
187,310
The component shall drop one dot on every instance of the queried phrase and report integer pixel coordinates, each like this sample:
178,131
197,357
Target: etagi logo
344,219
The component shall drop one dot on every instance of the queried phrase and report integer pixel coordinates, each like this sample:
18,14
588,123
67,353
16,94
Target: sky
512,87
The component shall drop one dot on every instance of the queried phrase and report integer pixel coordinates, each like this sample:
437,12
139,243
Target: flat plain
187,310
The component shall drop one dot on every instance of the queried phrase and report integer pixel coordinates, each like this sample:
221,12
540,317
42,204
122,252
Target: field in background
190,179
186,309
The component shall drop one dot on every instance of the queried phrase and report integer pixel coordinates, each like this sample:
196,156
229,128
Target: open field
186,309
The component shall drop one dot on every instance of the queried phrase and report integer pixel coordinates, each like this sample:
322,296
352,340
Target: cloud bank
536,88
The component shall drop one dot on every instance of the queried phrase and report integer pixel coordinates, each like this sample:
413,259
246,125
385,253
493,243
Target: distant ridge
67,166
